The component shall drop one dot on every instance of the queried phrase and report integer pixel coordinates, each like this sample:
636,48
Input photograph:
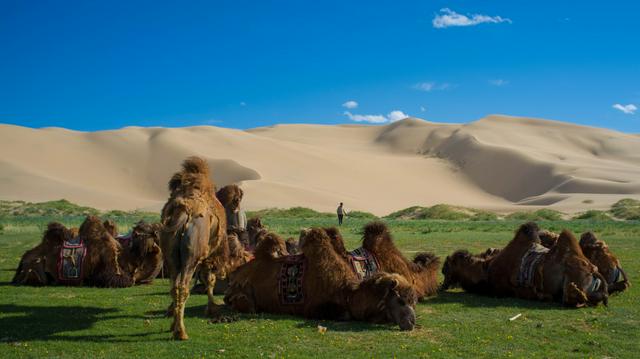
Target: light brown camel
318,284
526,269
422,272
194,226
105,263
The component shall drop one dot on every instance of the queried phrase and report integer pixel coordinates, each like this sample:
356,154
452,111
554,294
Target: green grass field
90,322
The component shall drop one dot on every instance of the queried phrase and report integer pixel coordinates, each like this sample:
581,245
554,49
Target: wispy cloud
243,104
432,86
423,109
395,115
448,17
350,104
629,109
498,82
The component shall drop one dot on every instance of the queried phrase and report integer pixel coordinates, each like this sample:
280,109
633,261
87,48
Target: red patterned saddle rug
70,261
291,278
363,262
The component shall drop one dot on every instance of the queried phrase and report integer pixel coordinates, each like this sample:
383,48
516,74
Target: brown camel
97,259
194,226
318,284
462,269
526,269
598,253
422,273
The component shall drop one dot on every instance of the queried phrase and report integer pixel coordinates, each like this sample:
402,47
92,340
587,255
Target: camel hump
375,228
567,241
196,165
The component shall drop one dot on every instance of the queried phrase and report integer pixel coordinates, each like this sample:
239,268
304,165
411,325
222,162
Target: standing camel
194,227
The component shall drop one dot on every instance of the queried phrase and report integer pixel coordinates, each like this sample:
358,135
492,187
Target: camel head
588,239
397,299
271,246
230,196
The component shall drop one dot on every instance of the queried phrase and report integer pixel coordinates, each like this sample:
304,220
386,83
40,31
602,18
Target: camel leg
171,312
212,308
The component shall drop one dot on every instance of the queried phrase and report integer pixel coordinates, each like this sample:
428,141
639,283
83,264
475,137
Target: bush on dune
593,215
539,215
626,208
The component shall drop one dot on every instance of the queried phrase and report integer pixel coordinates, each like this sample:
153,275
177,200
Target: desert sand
500,163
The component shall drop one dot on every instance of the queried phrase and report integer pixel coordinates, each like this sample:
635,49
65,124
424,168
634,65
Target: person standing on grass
341,213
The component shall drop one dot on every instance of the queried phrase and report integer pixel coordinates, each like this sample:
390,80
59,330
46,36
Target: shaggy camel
526,269
462,269
100,261
598,253
194,226
318,284
422,273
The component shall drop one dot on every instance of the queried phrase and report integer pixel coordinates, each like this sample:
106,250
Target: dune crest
498,162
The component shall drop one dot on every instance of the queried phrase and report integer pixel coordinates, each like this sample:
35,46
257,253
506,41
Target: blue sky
92,65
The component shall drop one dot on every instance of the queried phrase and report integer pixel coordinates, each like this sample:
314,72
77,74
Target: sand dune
499,163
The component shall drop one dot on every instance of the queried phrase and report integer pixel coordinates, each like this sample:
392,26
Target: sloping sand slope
498,163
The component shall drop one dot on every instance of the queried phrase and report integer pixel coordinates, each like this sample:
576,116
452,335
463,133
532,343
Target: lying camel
422,273
318,284
470,272
526,269
88,256
598,253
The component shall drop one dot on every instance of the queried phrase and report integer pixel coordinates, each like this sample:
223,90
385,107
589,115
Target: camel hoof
180,336
213,310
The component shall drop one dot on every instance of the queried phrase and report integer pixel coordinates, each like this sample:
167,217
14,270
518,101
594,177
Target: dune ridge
501,163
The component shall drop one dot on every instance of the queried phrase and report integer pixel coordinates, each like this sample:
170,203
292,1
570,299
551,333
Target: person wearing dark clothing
341,213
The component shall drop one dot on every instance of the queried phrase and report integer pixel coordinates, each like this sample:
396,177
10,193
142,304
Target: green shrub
407,213
361,215
539,215
626,208
484,216
445,212
593,215
294,212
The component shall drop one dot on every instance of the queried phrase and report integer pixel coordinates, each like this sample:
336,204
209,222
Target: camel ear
389,282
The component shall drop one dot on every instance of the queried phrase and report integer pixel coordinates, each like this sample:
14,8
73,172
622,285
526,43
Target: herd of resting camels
315,277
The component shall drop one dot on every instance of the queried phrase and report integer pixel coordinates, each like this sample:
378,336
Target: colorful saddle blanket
529,263
290,288
363,262
70,261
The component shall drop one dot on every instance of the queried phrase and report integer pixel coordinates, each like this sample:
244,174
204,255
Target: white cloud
366,118
350,104
423,109
498,82
432,86
448,17
629,109
243,104
395,115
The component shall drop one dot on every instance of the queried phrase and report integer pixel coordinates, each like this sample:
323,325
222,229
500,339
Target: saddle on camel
526,269
318,284
89,256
